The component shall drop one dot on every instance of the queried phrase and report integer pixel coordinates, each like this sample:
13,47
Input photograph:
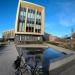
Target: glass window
20,25
24,13
36,30
22,18
28,15
32,15
32,22
29,29
30,25
22,28
32,29
36,26
27,24
39,30
24,9
39,23
28,10
21,13
38,15
33,11
27,20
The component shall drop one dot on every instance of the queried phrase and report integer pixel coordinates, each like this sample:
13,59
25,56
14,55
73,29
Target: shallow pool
52,53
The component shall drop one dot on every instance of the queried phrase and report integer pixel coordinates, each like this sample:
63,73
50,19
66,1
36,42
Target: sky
59,15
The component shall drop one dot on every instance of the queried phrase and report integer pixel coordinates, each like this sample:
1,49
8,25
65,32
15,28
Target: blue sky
59,15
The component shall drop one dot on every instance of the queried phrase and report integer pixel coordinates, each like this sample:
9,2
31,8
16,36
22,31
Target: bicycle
25,69
18,71
37,70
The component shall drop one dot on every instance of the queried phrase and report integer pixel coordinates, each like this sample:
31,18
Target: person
17,62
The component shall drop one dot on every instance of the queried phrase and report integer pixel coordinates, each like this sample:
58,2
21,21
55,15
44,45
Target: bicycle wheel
18,72
39,71
26,70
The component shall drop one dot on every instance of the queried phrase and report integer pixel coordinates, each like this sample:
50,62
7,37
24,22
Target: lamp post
71,38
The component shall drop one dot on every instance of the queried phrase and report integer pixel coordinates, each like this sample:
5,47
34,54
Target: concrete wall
66,69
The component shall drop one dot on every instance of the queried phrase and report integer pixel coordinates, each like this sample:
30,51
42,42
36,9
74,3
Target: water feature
44,54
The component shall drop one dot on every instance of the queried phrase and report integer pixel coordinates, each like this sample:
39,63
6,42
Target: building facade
29,24
9,35
49,37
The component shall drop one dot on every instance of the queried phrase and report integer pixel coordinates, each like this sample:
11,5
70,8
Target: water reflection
31,55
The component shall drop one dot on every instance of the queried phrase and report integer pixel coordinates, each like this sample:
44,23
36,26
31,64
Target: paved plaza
7,56
9,53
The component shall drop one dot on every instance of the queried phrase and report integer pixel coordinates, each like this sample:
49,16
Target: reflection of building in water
29,24
31,55
9,35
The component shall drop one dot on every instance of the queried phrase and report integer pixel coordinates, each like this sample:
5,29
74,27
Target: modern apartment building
29,24
9,34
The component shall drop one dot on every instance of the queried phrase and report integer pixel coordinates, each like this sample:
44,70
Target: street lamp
71,38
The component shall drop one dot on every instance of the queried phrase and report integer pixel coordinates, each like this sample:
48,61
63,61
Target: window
31,25
36,30
21,23
28,15
22,11
28,10
27,29
22,14
39,30
38,21
27,24
32,29
33,11
38,27
30,20
22,18
38,15
21,27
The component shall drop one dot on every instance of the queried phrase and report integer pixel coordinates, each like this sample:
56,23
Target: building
9,35
53,38
46,36
73,35
29,24
49,37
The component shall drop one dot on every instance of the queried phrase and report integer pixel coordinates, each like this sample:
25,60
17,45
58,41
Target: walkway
7,56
